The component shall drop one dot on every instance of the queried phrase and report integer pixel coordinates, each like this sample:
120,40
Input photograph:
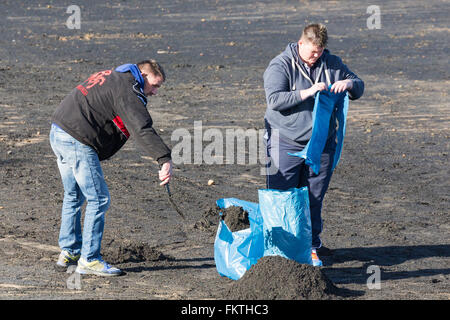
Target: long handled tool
173,202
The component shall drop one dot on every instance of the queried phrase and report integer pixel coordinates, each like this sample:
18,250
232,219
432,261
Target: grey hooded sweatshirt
283,80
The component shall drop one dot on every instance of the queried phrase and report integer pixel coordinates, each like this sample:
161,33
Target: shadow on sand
383,256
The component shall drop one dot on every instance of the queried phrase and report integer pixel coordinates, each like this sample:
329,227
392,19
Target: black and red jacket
105,110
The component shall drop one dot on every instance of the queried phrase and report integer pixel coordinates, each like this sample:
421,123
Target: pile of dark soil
131,251
236,218
278,278
209,220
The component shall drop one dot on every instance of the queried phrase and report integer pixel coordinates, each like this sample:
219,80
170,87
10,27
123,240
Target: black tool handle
168,189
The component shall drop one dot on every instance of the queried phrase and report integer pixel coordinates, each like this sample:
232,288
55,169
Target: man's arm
279,95
138,121
348,81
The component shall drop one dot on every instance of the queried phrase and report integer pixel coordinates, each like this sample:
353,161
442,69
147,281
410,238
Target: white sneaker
65,260
97,267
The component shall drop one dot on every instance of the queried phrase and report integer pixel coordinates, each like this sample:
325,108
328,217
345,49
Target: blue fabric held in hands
325,103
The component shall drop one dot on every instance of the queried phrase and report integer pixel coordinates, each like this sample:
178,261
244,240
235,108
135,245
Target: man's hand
165,173
320,86
341,86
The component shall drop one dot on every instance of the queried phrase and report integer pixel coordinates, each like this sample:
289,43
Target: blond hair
316,34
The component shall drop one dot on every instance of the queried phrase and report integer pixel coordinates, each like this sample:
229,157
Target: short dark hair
154,67
316,33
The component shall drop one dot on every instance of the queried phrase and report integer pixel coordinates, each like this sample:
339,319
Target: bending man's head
153,75
312,42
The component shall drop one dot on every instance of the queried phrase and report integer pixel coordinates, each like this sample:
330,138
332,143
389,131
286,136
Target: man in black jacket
90,125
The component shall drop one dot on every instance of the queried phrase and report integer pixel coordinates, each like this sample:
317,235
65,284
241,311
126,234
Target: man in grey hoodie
291,81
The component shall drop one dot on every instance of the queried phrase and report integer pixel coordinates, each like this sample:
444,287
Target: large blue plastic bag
236,252
286,223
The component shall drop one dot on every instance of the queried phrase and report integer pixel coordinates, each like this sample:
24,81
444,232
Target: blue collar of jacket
136,72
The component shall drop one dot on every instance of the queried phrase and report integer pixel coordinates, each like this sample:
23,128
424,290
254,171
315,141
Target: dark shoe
324,251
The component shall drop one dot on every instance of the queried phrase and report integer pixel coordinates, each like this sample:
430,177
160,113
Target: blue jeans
82,178
291,172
